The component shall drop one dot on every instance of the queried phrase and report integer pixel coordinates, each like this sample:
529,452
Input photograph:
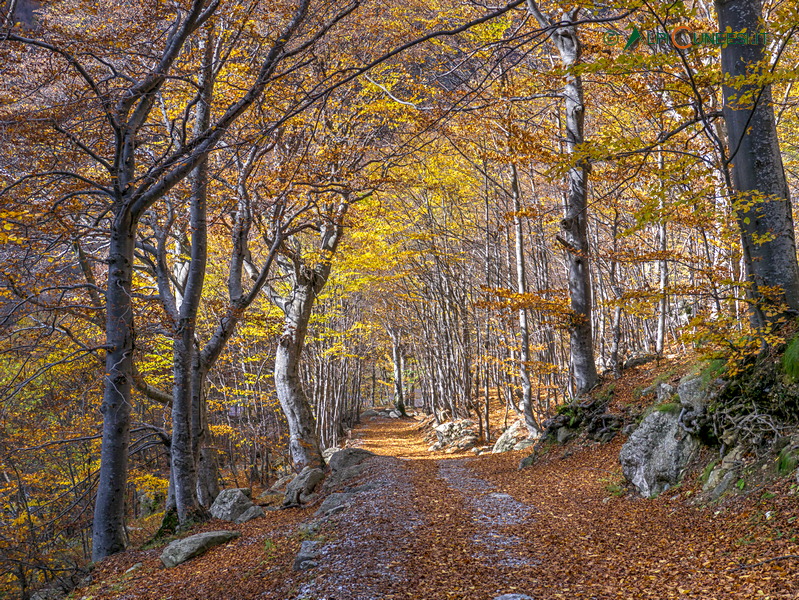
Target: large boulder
234,504
507,440
348,458
654,456
302,487
180,551
251,513
452,431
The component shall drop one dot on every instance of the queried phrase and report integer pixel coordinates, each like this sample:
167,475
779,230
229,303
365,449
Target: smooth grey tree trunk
108,531
763,204
663,267
575,221
397,360
303,440
533,427
132,194
306,283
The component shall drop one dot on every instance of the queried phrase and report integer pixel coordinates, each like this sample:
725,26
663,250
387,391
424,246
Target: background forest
229,227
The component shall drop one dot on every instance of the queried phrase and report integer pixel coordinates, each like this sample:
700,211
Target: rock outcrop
655,455
180,551
306,558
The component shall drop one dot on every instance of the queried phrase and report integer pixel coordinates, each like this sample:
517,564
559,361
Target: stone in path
180,551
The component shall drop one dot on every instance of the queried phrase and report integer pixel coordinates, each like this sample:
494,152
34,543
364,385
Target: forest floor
464,527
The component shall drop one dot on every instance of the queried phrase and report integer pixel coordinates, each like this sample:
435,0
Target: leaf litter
472,528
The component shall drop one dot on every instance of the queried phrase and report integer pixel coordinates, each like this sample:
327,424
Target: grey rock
280,484
664,392
470,441
528,461
306,558
514,597
652,389
335,501
230,504
180,551
309,529
451,432
328,452
370,413
340,478
251,513
725,473
637,361
729,478
366,487
394,414
301,488
564,435
692,396
48,594
349,457
523,444
148,503
507,440
654,456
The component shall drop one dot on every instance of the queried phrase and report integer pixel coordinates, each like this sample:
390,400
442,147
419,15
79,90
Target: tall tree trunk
396,359
303,440
307,282
524,333
663,267
108,531
763,204
574,223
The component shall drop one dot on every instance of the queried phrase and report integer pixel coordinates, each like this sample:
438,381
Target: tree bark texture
763,204
575,220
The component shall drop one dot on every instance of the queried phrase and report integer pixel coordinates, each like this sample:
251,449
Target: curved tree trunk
303,440
307,282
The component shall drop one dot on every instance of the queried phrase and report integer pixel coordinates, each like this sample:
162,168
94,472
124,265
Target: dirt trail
475,528
471,528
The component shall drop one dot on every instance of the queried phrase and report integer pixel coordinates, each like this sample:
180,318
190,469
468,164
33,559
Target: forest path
474,528
439,527
435,529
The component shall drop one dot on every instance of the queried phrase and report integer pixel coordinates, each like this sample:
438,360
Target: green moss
673,408
786,460
712,370
790,360
708,470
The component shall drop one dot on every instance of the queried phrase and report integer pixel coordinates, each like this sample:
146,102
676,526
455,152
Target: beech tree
762,202
563,35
